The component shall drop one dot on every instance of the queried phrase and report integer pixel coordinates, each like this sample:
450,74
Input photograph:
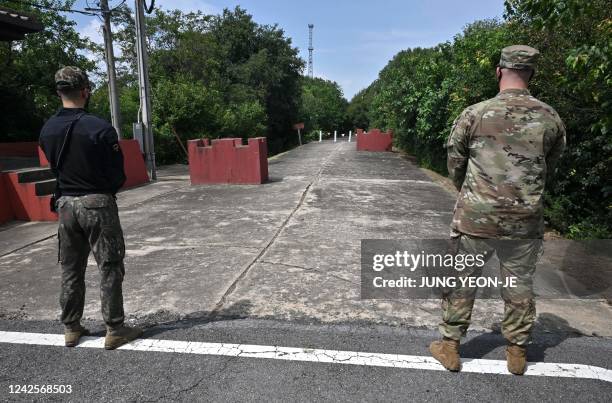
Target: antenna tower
310,49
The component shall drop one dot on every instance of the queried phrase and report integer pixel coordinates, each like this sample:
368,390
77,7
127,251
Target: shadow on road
157,324
549,331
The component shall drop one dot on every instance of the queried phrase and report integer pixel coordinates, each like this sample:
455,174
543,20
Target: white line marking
480,366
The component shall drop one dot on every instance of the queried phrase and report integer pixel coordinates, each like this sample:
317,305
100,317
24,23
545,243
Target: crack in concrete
311,269
412,305
154,196
219,305
321,356
28,245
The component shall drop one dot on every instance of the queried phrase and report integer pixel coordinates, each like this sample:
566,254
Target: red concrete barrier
374,140
20,201
6,209
23,149
133,163
26,204
228,161
42,158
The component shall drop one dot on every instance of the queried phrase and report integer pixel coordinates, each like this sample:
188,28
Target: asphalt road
99,375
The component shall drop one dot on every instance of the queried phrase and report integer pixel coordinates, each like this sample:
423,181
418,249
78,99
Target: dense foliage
27,91
211,76
421,91
323,107
358,109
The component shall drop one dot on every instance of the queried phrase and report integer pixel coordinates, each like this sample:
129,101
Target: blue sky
353,40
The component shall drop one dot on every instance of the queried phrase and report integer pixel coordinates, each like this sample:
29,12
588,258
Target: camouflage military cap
71,78
520,57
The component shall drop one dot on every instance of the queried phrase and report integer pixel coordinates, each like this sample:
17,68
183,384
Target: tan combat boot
120,336
517,359
447,352
72,334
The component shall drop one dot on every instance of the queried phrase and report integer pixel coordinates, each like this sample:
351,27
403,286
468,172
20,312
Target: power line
117,6
90,8
102,11
89,11
149,9
59,9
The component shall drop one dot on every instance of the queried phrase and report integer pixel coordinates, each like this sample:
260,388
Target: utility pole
144,89
113,95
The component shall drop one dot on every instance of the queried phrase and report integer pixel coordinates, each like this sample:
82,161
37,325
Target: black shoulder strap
57,192
67,137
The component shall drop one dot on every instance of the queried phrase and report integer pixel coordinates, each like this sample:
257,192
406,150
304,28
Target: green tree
575,76
323,105
27,90
359,108
421,91
216,76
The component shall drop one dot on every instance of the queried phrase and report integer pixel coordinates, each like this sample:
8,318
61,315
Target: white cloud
92,30
188,6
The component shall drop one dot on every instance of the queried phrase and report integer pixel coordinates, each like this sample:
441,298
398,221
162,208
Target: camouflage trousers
90,223
518,259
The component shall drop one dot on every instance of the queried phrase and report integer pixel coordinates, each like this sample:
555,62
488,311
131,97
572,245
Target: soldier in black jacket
84,154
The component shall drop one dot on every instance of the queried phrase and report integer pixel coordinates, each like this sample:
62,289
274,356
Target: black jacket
92,161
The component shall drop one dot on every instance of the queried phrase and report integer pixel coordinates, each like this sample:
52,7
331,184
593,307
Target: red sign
298,126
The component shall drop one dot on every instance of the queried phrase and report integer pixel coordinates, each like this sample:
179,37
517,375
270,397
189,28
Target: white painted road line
316,355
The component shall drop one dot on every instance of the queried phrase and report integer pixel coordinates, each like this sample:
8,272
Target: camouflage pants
90,223
517,259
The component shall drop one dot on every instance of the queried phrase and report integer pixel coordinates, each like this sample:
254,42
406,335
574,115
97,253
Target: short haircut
70,94
523,74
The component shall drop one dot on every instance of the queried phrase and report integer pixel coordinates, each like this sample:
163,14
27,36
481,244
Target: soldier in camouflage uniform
500,154
84,154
